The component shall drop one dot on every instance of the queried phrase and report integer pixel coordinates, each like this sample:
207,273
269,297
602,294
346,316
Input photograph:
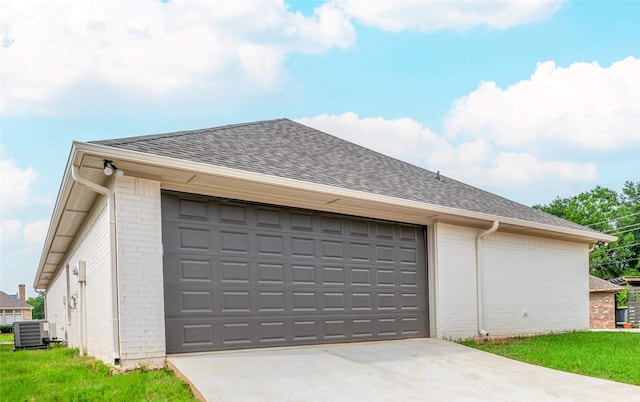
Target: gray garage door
242,275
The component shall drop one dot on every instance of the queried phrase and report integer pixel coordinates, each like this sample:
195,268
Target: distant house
276,234
14,307
602,303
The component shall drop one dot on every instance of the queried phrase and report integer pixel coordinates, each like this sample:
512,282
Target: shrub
6,329
622,298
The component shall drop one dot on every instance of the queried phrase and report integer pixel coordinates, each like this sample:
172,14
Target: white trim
431,211
163,161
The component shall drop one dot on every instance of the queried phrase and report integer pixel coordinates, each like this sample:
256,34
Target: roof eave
129,160
63,194
197,167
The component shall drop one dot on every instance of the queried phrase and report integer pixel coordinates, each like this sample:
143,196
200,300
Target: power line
625,246
624,231
614,262
633,225
611,219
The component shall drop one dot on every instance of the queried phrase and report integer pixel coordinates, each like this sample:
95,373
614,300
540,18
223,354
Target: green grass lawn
610,355
60,374
6,337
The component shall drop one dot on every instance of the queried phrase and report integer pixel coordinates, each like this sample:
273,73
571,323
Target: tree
38,307
616,214
629,228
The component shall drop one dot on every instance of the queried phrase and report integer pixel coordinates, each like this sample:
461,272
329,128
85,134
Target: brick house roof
9,302
287,149
600,285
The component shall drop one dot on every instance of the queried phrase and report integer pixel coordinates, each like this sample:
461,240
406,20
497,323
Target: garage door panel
269,217
233,213
237,334
302,247
187,268
187,238
270,273
243,275
301,221
232,333
386,277
192,210
304,274
411,326
197,335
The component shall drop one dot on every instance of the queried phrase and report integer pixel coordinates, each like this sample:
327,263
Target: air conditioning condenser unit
31,334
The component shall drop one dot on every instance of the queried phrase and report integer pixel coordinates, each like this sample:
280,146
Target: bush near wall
6,329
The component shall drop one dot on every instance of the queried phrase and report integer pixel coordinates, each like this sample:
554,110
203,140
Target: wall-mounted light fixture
110,168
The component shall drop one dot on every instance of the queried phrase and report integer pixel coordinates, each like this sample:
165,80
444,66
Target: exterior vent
31,334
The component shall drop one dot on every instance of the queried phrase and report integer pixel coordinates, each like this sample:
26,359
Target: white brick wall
92,246
455,277
534,285
56,305
140,279
139,226
530,285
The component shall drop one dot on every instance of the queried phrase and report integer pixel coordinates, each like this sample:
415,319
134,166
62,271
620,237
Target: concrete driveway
406,370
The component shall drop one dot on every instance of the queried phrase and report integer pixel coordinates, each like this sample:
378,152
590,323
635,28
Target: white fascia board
203,168
61,200
80,148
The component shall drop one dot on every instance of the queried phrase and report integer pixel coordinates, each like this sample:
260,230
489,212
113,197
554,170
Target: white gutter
203,168
111,201
479,300
428,210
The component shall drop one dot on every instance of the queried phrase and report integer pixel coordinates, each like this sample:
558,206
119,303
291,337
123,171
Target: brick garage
108,252
602,303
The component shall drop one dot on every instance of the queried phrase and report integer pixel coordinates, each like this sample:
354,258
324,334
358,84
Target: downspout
115,321
479,301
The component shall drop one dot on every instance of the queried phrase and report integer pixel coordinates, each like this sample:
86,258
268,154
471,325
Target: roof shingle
600,285
288,149
8,302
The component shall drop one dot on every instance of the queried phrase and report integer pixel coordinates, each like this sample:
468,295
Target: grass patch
6,337
608,355
60,374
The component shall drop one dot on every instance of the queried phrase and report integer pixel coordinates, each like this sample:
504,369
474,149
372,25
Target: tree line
610,212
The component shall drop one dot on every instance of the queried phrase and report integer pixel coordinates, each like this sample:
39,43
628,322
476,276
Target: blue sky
527,99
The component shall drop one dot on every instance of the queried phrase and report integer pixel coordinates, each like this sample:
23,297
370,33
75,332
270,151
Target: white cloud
476,162
34,233
62,54
436,15
502,170
20,247
17,232
582,106
23,237
401,138
10,233
15,184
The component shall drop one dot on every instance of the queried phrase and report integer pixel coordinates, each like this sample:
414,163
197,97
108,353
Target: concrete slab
406,370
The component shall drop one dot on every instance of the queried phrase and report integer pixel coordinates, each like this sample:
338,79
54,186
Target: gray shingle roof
288,149
8,302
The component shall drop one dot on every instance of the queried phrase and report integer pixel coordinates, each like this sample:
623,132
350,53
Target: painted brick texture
534,285
139,226
602,310
92,246
455,278
530,285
